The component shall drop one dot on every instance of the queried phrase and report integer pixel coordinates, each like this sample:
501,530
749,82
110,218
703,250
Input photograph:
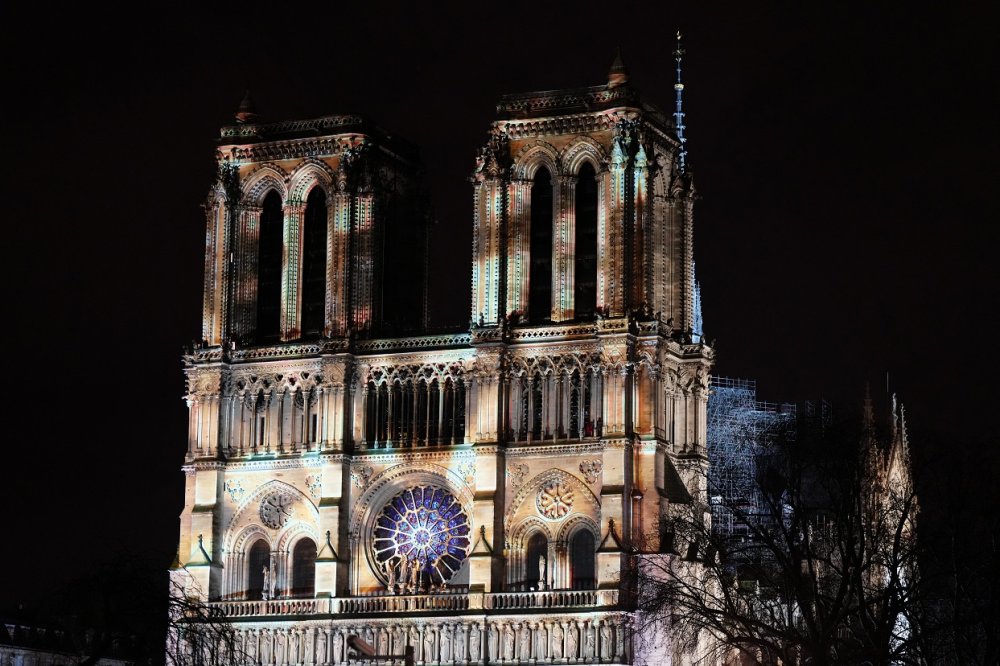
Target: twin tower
474,495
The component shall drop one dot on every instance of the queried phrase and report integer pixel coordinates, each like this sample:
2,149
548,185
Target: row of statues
405,574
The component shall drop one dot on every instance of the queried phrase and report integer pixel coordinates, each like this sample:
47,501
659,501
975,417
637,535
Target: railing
405,604
272,607
473,601
552,599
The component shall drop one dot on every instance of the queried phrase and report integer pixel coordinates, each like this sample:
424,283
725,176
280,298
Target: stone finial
247,112
618,74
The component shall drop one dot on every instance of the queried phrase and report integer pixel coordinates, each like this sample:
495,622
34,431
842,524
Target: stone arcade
477,495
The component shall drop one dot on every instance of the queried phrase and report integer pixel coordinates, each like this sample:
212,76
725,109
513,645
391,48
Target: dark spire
679,113
618,74
247,112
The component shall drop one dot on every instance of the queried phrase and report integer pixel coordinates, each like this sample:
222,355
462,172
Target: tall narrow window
540,275
581,558
258,560
585,287
304,568
536,561
314,264
269,270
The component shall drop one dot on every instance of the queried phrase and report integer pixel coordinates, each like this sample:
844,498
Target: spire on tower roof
679,113
247,112
618,74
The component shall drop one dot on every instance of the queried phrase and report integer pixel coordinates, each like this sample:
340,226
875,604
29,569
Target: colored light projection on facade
421,536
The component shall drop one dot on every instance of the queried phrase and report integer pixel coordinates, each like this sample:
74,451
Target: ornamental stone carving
591,470
467,471
276,509
554,500
517,474
314,482
235,490
361,474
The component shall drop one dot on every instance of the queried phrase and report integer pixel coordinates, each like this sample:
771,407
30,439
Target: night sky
847,227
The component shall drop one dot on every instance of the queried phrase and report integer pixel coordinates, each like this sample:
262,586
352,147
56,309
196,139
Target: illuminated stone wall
521,433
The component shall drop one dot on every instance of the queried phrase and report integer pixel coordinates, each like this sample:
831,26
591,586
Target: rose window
554,499
422,527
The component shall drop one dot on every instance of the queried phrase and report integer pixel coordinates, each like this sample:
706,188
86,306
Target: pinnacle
247,112
618,74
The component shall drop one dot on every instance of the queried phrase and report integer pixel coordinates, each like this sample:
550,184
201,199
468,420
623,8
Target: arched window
536,561
314,264
304,568
540,274
585,273
269,270
258,560
581,561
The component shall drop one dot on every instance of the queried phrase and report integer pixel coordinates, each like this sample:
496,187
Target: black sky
848,225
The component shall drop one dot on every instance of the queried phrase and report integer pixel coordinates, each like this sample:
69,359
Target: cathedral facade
477,496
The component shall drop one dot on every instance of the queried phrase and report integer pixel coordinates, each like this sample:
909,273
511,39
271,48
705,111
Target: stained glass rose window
425,528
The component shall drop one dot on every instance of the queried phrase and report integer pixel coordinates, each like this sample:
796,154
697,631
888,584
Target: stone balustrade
444,603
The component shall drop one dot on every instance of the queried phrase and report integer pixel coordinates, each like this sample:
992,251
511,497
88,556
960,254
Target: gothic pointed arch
269,267
308,175
583,150
554,496
263,179
274,509
532,157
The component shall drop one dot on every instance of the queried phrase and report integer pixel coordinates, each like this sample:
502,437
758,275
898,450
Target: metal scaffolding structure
739,427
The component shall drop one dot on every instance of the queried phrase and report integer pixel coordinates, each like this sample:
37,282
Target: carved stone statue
508,642
389,566
557,642
265,593
475,652
404,571
429,655
540,641
280,641
605,641
293,648
338,643
525,642
415,573
491,643
251,647
541,572
588,643
445,643
310,640
321,655
383,641
572,643
265,647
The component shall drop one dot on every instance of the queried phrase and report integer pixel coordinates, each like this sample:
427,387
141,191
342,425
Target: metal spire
679,113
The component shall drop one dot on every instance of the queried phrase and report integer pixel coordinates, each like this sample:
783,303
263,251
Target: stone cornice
555,448
409,454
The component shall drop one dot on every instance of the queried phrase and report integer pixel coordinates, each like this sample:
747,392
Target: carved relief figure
492,642
588,643
605,641
293,648
280,640
508,642
446,643
525,642
541,634
265,646
557,642
321,655
475,653
572,642
338,644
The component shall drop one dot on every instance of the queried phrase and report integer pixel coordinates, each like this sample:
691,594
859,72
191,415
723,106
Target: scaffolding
739,429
